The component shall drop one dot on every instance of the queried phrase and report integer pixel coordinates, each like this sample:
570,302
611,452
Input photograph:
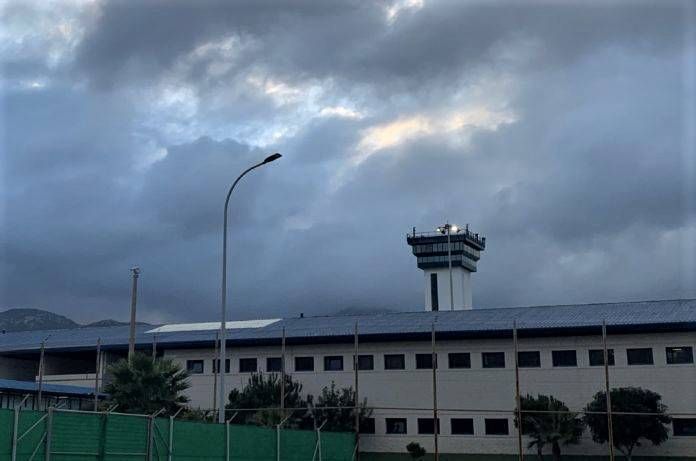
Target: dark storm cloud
580,193
352,41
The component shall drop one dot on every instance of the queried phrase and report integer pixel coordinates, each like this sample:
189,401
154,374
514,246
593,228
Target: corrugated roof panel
667,314
31,386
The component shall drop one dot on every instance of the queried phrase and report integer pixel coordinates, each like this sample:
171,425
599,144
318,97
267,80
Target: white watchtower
447,257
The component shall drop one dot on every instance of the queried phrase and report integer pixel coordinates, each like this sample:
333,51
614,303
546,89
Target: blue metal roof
644,316
33,387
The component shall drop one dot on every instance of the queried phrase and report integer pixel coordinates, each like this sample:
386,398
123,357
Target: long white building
560,353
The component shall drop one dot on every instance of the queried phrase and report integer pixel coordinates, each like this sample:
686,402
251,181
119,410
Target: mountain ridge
31,319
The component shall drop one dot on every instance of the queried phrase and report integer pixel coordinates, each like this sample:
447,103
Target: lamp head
272,157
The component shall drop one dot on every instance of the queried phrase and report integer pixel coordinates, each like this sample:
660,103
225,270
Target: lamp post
447,229
223,325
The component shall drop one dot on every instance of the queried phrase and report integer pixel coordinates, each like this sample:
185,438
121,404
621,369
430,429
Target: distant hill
33,319
110,323
39,319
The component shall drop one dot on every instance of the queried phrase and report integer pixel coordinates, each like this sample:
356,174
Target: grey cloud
352,41
581,197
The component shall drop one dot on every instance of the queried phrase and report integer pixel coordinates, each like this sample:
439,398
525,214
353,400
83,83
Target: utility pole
134,299
41,373
97,371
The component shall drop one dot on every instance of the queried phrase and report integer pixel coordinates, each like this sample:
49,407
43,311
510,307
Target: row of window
457,360
458,426
444,259
442,248
685,427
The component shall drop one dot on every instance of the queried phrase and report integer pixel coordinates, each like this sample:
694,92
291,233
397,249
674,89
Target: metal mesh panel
195,441
32,440
250,443
126,437
297,445
6,421
337,446
84,436
75,436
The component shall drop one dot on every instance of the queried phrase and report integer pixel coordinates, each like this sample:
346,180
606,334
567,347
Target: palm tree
548,421
145,386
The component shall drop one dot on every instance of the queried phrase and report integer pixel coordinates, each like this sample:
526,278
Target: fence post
49,433
356,404
170,448
227,435
282,375
319,438
148,451
227,440
102,437
610,426
97,370
216,368
15,427
518,400
41,373
278,435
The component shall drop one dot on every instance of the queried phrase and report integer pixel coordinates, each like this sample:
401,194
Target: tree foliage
415,450
553,429
145,386
259,401
628,430
263,391
337,420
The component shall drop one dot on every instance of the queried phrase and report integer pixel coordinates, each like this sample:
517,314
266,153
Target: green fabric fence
84,436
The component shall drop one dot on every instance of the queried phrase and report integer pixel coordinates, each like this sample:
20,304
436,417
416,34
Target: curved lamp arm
223,324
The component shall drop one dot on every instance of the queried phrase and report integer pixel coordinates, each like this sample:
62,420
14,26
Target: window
367,426
425,361
564,358
685,427
247,365
195,367
274,364
304,363
396,425
529,359
642,356
496,426
333,363
683,354
365,362
597,357
394,362
493,359
426,426
217,361
462,426
459,360
434,302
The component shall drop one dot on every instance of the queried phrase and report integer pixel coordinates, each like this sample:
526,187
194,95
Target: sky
565,132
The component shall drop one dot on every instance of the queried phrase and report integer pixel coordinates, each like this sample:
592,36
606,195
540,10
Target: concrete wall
479,392
461,288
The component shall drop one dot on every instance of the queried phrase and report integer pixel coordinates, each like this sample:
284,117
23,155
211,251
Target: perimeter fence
62,435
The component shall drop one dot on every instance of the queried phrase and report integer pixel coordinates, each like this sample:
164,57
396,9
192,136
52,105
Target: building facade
560,353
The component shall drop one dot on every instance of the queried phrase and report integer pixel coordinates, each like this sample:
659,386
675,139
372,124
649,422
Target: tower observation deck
437,252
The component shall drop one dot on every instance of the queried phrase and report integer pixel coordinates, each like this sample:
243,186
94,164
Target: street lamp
448,229
223,325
